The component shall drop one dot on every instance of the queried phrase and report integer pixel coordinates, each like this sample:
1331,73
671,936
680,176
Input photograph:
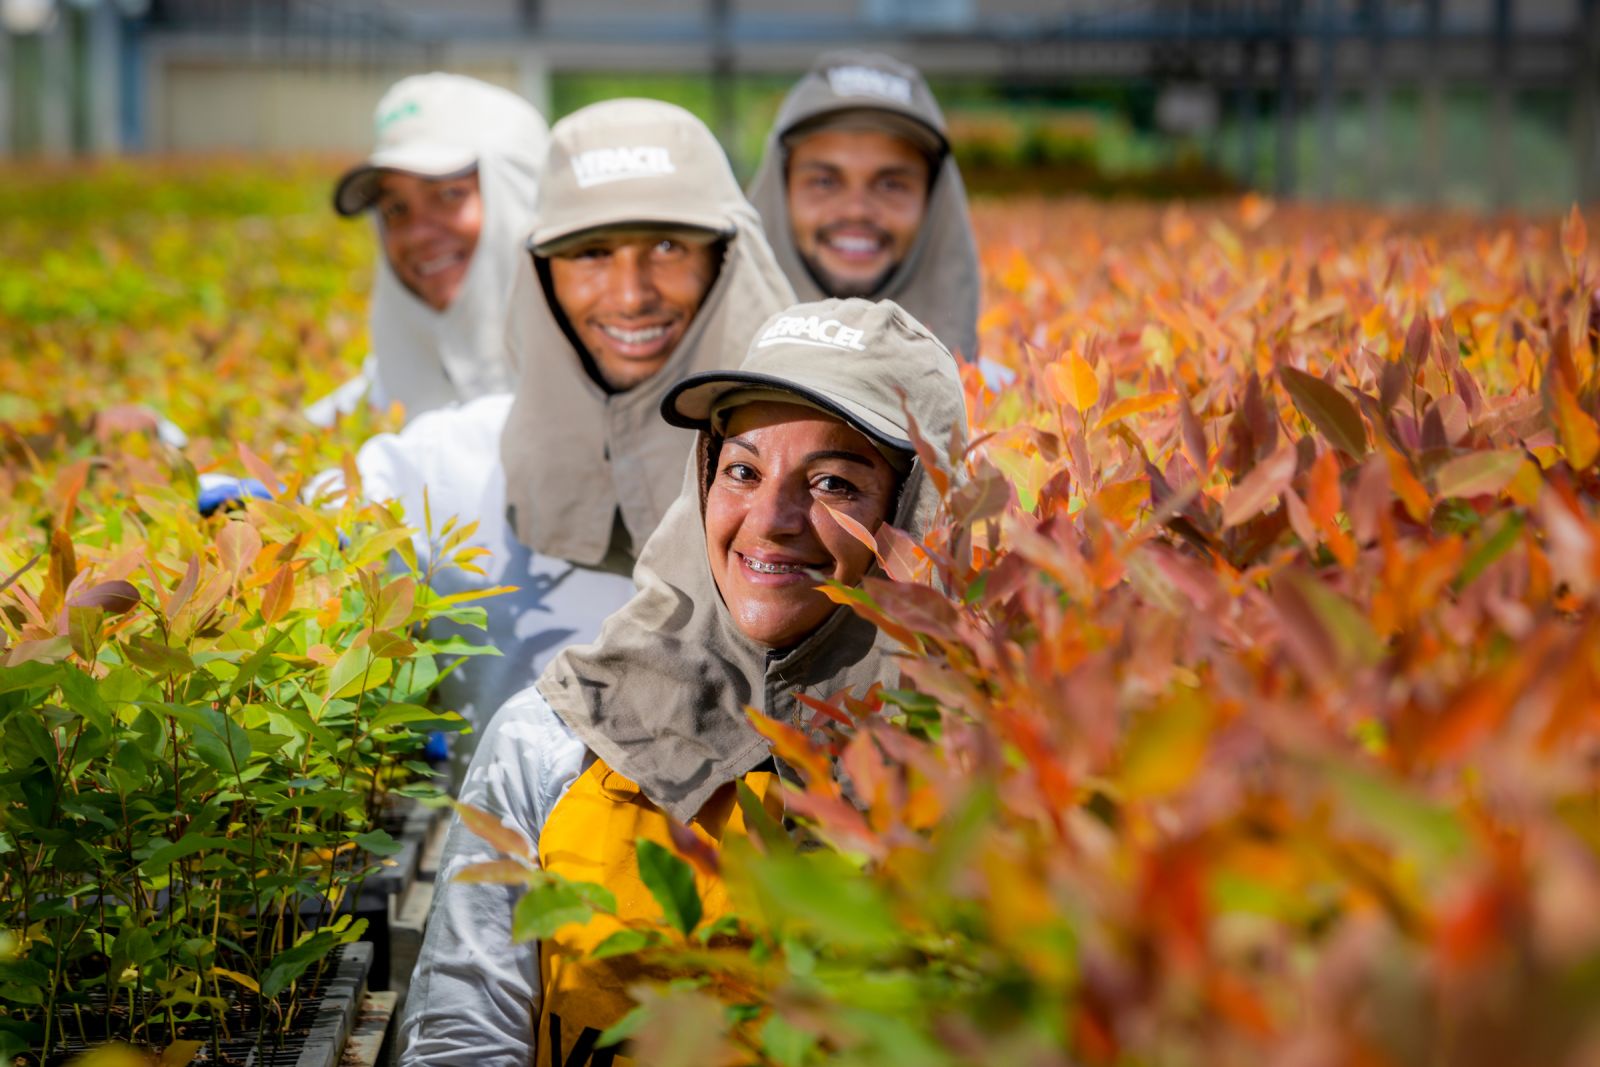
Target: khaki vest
590,837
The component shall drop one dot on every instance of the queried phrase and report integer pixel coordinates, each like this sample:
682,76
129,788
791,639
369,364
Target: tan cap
436,126
854,358
632,163
927,140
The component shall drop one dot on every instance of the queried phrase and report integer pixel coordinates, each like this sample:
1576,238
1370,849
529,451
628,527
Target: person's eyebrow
840,454
742,443
817,164
897,170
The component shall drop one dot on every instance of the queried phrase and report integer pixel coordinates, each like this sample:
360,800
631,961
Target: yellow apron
590,837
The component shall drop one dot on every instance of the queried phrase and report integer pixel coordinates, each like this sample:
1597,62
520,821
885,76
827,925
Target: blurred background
1478,103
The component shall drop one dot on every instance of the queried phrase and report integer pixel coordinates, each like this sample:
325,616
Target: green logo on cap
410,107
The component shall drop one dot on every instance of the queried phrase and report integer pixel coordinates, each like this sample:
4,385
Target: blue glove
225,492
437,749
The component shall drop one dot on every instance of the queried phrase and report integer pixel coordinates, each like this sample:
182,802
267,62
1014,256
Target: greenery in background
201,720
1083,144
1103,141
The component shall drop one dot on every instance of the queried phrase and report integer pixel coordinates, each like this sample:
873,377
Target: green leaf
671,881
221,743
622,943
758,820
355,672
1329,410
155,657
786,1044
29,676
823,891
379,843
299,718
185,846
1394,812
411,714
255,661
83,696
544,909
624,1027
1490,548
291,963
1353,635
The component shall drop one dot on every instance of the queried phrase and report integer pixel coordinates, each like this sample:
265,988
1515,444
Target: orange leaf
795,749
1323,499
493,831
495,872
1072,382
1134,405
1260,487
1580,439
853,528
259,469
1574,237
279,594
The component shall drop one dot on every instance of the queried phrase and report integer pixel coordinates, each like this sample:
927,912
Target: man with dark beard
859,195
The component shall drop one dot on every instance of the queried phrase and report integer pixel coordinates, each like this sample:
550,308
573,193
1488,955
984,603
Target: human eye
669,248
391,210
592,254
834,485
742,473
819,181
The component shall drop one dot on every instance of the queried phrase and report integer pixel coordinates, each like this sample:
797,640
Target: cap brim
689,404
358,188
881,119
551,240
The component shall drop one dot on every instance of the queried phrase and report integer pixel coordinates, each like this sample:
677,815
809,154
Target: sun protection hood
438,125
938,280
660,696
574,456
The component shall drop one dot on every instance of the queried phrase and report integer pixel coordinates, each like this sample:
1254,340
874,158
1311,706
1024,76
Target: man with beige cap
451,185
860,196
645,264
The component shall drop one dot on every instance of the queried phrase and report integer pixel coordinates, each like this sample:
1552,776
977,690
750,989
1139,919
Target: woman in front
648,723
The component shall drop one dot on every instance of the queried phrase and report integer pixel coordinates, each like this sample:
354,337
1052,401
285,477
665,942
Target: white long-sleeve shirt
454,453
474,995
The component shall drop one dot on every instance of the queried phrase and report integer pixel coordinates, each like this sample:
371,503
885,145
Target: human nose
417,226
778,512
632,282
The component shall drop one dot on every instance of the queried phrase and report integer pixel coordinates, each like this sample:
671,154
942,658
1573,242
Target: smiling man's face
856,201
430,229
631,297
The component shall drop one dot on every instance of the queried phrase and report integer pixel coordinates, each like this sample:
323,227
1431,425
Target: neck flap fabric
938,280
660,696
575,457
428,359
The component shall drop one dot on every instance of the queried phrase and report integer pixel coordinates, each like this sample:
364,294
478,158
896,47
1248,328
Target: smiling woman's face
769,536
430,229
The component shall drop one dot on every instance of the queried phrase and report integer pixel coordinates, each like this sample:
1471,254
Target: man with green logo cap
860,196
450,185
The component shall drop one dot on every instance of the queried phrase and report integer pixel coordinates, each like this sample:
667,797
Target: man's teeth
854,245
774,568
636,337
438,263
